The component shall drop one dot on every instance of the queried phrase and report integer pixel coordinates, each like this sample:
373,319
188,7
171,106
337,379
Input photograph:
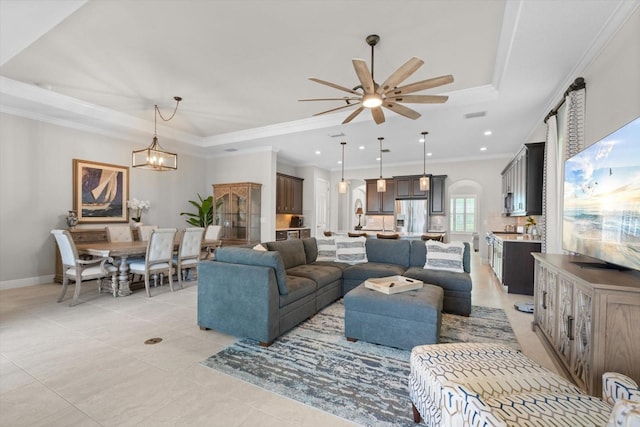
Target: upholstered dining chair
77,269
158,258
212,233
188,252
119,233
144,232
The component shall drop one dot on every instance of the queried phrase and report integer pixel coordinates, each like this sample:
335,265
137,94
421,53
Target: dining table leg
123,277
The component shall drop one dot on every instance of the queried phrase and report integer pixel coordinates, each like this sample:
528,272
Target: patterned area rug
361,382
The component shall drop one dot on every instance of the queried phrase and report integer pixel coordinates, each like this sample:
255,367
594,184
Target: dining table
123,251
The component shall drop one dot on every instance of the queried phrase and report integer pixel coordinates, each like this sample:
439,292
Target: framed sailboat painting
100,192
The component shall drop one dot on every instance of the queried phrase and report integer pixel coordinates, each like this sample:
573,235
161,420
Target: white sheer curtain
565,138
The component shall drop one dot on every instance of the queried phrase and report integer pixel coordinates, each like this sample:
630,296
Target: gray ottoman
403,320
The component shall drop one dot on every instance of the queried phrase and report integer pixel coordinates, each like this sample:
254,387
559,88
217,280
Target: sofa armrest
238,299
616,387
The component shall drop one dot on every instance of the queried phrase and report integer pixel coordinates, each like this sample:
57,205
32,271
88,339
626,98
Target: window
463,214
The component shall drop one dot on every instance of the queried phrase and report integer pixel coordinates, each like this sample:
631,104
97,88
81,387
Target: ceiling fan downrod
372,40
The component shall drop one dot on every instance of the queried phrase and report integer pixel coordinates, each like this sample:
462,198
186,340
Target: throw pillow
259,247
444,256
351,250
326,248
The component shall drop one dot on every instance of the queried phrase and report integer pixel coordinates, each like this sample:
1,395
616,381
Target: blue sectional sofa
262,294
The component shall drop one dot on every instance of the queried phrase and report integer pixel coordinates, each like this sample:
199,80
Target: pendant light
342,185
381,184
155,157
424,179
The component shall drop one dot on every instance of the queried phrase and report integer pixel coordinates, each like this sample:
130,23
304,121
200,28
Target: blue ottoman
403,320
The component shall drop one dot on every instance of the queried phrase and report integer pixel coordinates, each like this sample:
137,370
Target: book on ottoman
393,284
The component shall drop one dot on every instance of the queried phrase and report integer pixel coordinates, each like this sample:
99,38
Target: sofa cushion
447,280
419,255
326,248
321,274
248,256
310,249
361,272
340,265
389,251
444,256
299,287
351,250
291,251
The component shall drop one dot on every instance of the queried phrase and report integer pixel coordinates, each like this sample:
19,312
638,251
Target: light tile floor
88,365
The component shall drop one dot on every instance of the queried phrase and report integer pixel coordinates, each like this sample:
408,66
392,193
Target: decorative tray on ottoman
393,284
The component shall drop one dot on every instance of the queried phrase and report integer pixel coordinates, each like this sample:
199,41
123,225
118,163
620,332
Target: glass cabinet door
238,211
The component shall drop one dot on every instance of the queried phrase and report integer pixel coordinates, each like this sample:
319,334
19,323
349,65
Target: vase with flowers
531,226
137,206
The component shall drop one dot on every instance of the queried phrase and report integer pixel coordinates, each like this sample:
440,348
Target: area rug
361,382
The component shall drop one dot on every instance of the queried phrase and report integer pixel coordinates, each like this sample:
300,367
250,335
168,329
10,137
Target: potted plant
204,215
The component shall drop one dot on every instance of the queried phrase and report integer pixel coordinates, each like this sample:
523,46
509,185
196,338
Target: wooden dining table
122,251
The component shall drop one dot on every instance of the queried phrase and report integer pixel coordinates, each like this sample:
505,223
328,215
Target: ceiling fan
370,94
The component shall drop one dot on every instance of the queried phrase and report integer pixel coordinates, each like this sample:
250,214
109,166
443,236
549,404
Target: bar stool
328,233
388,236
357,234
438,237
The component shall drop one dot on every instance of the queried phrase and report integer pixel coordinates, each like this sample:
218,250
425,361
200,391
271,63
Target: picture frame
100,192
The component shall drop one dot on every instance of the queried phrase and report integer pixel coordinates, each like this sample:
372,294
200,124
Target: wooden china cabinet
238,212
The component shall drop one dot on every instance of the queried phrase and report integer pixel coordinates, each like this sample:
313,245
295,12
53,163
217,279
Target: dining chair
188,252
144,232
158,258
76,269
119,233
212,233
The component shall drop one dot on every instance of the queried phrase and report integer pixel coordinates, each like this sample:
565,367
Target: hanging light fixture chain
178,99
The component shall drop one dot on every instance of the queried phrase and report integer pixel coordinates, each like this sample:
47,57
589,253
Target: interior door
322,205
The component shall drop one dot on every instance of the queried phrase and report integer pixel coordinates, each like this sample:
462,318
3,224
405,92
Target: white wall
36,190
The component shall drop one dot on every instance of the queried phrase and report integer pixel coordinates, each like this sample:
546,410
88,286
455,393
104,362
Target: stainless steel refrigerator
411,216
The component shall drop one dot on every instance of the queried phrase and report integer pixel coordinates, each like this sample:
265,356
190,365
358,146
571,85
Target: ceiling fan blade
333,85
364,75
419,99
378,115
421,85
331,99
335,109
402,110
353,115
400,74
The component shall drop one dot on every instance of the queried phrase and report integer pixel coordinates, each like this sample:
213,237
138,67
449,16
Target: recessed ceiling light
429,154
339,162
487,132
421,140
483,148
361,147
317,152
377,159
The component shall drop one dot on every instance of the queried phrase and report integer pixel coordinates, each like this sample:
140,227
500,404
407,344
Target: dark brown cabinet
437,200
522,181
380,203
305,233
408,187
517,266
288,194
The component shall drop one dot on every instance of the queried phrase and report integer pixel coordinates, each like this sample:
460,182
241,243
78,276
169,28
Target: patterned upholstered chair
119,233
211,234
144,232
495,385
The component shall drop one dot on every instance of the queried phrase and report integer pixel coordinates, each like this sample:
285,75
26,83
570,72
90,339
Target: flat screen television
601,211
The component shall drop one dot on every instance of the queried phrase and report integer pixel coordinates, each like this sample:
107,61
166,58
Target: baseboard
28,281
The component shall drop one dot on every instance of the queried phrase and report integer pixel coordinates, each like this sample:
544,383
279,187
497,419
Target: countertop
514,237
293,228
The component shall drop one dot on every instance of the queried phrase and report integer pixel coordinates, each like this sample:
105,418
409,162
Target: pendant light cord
380,139
424,154
343,144
159,113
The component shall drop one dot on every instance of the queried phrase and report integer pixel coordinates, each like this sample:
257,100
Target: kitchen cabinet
288,194
437,200
238,212
408,187
587,317
380,203
522,181
305,233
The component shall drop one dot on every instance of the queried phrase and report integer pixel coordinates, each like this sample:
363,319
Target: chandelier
155,157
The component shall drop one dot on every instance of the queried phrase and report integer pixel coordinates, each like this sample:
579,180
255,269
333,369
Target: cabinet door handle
544,300
570,328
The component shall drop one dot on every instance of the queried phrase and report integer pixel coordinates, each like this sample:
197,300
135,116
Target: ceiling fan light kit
373,96
155,157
